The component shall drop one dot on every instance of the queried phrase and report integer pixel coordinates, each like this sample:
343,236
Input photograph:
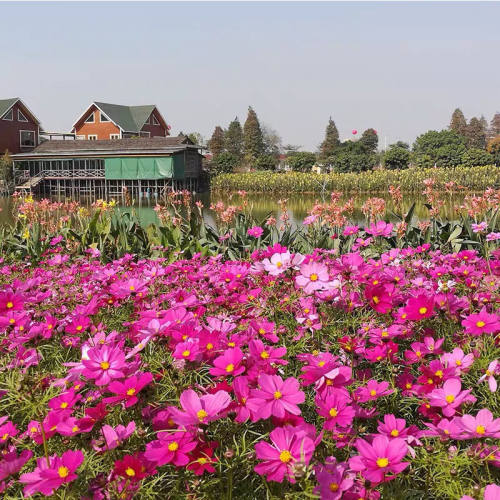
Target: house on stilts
104,169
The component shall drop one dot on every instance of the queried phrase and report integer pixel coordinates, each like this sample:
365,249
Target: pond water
298,206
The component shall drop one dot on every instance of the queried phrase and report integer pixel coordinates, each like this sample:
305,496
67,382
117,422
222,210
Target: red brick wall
101,129
9,132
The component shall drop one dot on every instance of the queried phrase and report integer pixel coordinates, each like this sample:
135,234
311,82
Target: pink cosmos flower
419,307
10,301
278,263
479,228
128,389
48,477
188,351
114,437
275,397
104,364
449,397
333,480
229,364
380,297
490,375
350,230
335,408
458,359
255,231
289,449
199,410
381,228
492,492
445,429
481,426
372,391
242,392
380,461
171,448
12,463
492,236
393,427
482,322
313,276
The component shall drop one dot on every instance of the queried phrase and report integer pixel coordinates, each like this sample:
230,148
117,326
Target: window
148,121
104,118
90,119
9,115
92,137
155,121
27,138
81,137
144,134
114,136
21,117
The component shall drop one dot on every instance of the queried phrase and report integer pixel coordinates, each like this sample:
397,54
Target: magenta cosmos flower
490,375
127,390
449,397
170,448
228,364
313,276
255,232
289,448
199,410
335,408
104,364
381,228
380,461
50,475
481,426
333,480
419,307
482,322
275,397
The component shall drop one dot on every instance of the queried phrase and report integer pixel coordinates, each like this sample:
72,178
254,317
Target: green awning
126,168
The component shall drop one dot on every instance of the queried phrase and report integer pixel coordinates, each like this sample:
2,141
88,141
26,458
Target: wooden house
103,121
19,127
107,169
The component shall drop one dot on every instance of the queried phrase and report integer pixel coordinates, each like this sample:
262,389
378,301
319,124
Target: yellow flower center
334,487
202,460
132,288
10,305
489,373
264,354
262,331
333,412
104,365
229,368
278,264
210,346
231,344
373,392
394,433
130,472
408,385
201,414
131,392
75,428
422,310
375,299
79,328
173,446
382,462
186,353
321,363
277,395
375,282
64,405
450,398
313,277
458,362
5,436
480,324
480,429
63,471
439,373
285,456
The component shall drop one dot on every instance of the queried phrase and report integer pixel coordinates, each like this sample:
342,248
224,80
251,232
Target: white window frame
148,121
30,132
101,114
11,113
87,120
144,132
155,120
92,137
21,114
81,137
114,136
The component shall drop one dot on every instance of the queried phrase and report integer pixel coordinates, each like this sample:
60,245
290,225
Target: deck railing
97,173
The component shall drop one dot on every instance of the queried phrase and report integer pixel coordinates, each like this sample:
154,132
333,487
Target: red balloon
354,132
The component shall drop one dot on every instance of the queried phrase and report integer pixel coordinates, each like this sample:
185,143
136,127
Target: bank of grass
376,181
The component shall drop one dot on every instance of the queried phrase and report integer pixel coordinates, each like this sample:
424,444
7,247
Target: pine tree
216,143
476,135
458,122
331,140
234,138
253,145
369,139
495,125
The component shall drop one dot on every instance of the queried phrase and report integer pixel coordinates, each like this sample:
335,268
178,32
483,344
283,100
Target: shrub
301,161
477,156
396,158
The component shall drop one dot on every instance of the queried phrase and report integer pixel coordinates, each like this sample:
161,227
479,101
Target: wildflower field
250,360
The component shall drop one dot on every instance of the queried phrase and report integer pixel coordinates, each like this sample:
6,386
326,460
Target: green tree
253,145
196,138
265,162
432,146
216,143
352,156
494,149
400,144
272,141
476,134
6,168
495,126
223,163
234,138
458,122
301,161
331,141
396,158
476,157
369,139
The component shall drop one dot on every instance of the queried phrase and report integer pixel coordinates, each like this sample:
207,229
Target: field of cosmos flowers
357,372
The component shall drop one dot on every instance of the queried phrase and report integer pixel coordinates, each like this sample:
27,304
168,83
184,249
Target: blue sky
398,67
